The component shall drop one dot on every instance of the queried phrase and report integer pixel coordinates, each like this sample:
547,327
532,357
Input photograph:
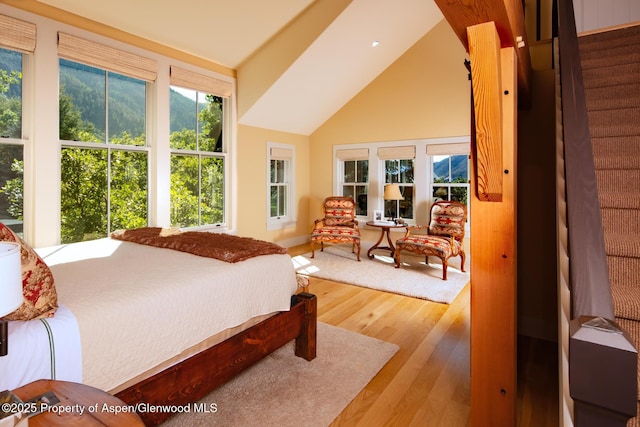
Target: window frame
450,184
21,227
342,183
402,185
289,219
110,147
202,154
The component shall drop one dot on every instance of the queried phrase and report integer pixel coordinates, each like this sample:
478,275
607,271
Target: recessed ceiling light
375,43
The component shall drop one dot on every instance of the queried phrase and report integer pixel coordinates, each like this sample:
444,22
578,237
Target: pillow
38,290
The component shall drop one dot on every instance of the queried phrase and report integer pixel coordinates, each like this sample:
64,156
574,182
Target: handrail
591,292
602,358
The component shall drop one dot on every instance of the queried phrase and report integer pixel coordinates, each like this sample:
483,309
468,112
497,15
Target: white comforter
137,306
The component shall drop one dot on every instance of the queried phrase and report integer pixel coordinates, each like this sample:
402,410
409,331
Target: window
11,144
400,172
354,177
198,149
367,168
281,165
17,42
450,172
104,180
356,182
399,167
103,120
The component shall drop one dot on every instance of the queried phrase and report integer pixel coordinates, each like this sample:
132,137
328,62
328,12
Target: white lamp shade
10,277
392,192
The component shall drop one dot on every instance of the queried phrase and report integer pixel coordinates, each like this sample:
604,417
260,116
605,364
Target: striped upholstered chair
338,224
443,237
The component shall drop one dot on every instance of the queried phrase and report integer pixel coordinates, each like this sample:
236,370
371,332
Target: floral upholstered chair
443,238
338,224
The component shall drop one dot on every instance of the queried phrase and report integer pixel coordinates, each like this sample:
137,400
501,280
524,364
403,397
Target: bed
156,325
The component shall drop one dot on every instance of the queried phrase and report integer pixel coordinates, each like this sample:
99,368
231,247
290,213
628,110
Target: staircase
611,73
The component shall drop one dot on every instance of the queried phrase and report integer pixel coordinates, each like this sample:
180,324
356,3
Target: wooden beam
484,51
508,16
493,276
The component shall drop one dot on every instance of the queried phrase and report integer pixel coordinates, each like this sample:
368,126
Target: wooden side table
385,229
80,405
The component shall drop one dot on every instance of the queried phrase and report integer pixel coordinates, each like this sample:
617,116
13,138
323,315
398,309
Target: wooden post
493,237
306,341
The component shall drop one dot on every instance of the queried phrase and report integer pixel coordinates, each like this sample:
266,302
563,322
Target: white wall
596,14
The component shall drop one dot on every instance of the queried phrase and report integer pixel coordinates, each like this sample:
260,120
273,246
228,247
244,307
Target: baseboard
294,241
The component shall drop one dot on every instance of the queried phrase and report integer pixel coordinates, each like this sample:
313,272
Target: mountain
126,100
459,167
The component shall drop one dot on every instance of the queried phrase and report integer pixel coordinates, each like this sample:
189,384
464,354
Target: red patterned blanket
224,247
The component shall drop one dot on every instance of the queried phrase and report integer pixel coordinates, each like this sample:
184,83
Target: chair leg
445,264
358,253
463,256
396,257
313,254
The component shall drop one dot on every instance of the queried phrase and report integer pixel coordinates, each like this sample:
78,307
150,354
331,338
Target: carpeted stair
611,72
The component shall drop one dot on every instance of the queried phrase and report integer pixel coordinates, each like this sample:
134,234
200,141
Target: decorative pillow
40,297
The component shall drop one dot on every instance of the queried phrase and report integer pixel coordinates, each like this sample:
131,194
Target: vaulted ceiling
332,68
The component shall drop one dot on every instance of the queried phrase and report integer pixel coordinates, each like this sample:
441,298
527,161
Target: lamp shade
10,277
392,192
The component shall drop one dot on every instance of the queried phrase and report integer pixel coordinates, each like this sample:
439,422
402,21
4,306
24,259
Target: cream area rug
414,278
284,390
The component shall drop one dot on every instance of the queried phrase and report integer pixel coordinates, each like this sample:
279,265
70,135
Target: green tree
129,188
13,190
84,194
211,119
11,202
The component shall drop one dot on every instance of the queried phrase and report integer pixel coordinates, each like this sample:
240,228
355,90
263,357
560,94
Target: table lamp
392,192
10,287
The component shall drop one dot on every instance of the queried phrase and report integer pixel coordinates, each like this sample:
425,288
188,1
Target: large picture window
104,164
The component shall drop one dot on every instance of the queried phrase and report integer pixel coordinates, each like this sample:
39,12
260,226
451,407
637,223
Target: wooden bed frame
194,378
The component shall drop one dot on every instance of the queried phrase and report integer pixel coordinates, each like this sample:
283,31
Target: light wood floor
427,382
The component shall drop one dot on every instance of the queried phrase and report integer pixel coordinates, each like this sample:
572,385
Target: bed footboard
194,378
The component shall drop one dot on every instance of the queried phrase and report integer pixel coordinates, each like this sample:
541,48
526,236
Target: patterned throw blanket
224,247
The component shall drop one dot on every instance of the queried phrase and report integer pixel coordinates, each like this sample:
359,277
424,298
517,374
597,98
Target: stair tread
617,162
625,95
613,57
614,200
611,75
623,145
622,245
617,122
626,301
